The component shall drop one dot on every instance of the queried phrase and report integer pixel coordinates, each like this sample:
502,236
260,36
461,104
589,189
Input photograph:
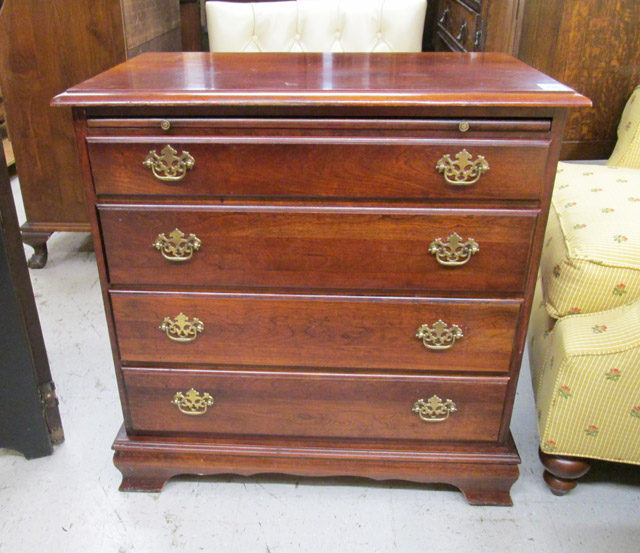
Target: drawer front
313,331
311,404
460,24
330,248
320,167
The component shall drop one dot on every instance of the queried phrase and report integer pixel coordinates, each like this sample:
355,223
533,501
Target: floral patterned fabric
586,379
585,366
591,254
627,150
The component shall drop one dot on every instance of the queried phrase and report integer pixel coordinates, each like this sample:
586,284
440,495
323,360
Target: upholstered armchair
316,26
584,334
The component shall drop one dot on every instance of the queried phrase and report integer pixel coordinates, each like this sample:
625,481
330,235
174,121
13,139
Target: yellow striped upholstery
627,150
585,366
587,385
538,336
591,255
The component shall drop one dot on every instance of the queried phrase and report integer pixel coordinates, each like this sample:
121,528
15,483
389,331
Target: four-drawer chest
319,264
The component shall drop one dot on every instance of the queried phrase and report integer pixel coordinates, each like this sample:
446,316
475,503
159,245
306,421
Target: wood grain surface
342,405
146,20
483,472
314,331
327,167
41,55
594,47
384,80
346,248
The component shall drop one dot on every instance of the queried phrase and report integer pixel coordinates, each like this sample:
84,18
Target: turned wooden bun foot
562,473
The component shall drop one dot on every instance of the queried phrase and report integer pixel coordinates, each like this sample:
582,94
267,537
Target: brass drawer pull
454,251
441,336
192,402
182,329
169,166
434,409
462,171
177,247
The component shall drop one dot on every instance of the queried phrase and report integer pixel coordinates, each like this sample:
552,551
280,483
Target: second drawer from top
318,248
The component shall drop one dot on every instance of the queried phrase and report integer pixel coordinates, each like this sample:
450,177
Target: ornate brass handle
454,251
182,329
177,247
434,409
462,171
192,402
168,166
441,336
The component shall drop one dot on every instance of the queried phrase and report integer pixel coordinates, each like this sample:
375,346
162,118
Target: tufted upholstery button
314,26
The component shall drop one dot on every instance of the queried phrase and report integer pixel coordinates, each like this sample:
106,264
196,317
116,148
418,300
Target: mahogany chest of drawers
319,264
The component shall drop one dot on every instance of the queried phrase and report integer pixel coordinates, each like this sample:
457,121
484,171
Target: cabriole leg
38,241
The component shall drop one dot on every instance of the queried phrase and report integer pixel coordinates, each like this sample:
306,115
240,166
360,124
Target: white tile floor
69,502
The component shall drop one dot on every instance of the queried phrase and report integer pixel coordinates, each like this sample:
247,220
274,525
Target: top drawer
490,160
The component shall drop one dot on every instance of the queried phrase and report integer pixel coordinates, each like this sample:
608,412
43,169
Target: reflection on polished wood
428,79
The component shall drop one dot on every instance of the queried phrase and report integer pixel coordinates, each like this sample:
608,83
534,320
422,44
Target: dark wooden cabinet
326,269
476,25
46,47
594,47
29,416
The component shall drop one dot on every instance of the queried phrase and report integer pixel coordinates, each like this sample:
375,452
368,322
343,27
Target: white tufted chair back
316,26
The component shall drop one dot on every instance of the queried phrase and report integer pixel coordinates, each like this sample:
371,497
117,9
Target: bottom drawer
312,404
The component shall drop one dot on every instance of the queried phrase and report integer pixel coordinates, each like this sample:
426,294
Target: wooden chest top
420,79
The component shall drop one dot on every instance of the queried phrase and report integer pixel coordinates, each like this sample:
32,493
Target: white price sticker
553,87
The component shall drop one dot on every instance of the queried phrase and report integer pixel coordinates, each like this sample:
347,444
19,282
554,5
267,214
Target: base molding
483,473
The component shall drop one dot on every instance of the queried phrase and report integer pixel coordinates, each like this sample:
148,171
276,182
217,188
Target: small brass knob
165,125
463,126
